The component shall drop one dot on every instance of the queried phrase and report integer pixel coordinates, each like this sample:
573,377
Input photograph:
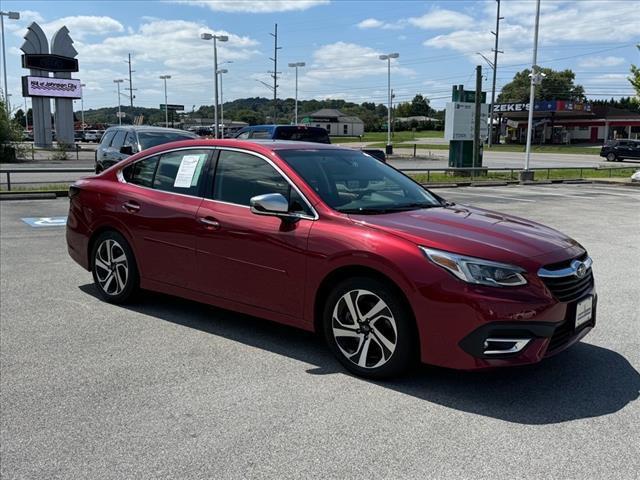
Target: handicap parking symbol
45,221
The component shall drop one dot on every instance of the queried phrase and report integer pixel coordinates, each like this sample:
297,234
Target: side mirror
126,150
274,204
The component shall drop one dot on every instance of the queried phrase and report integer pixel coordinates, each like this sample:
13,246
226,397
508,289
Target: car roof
150,128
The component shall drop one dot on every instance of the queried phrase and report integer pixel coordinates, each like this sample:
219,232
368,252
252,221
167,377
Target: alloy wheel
364,328
111,267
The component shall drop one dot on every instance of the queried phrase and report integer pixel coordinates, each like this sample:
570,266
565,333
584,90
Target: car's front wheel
114,268
369,328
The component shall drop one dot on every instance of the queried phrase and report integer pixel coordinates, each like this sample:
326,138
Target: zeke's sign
51,87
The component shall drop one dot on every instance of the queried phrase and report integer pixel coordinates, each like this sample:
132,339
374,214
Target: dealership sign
49,63
51,87
460,120
543,106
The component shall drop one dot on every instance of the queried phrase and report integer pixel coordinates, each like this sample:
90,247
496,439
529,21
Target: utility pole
131,89
495,69
535,79
275,72
476,122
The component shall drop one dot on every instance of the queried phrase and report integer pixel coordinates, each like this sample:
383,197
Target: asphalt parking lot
166,388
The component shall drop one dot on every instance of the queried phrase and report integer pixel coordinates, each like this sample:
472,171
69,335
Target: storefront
564,122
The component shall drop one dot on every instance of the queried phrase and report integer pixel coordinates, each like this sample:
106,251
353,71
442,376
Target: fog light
500,346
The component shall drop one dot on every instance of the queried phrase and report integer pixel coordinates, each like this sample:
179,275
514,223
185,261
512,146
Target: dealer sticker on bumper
584,311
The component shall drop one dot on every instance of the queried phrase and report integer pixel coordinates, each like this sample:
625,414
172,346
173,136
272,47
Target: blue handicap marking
45,221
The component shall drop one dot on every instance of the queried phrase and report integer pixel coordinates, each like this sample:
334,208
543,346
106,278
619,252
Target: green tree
556,85
18,119
420,106
634,79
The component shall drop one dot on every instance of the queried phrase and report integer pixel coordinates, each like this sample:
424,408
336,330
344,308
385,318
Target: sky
340,41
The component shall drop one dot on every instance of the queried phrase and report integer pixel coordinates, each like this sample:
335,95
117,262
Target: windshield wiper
365,211
415,206
391,209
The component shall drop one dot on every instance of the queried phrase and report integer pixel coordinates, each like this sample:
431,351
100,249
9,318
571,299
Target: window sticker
187,170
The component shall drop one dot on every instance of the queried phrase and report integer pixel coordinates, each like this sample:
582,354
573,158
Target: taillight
74,191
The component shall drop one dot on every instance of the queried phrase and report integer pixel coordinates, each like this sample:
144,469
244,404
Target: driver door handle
131,206
210,223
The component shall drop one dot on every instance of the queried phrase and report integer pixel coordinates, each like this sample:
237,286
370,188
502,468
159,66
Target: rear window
303,134
152,139
106,139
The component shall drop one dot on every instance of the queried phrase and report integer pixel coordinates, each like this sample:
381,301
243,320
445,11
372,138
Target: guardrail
9,171
472,173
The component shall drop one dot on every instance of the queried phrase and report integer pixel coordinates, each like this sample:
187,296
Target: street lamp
296,65
82,85
536,78
166,105
388,58
118,82
11,16
222,38
220,72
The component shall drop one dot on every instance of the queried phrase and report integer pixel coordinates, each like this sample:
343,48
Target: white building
335,122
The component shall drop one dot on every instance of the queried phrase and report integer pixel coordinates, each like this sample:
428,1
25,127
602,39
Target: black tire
611,157
397,361
125,282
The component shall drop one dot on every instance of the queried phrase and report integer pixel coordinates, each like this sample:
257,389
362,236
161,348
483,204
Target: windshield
350,181
152,139
305,134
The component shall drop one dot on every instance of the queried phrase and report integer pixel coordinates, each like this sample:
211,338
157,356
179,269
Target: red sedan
331,240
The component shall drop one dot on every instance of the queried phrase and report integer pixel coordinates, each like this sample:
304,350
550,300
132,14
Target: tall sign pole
35,42
61,44
526,175
495,68
476,120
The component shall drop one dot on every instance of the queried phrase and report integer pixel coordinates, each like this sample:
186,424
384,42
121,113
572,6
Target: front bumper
455,324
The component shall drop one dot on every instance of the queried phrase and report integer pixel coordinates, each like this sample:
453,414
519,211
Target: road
491,160
166,388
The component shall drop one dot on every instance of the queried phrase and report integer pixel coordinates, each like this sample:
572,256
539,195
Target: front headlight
477,270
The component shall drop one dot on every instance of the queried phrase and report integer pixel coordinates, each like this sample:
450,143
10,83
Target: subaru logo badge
581,270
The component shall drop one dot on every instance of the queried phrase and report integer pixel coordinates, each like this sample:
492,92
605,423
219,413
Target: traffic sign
121,114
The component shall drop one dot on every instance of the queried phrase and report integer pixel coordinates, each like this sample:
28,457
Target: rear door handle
131,206
210,223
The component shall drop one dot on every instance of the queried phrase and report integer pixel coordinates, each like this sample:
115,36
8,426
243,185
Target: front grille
569,288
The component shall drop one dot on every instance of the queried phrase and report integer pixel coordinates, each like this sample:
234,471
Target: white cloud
596,62
375,23
442,18
610,79
370,23
82,26
254,6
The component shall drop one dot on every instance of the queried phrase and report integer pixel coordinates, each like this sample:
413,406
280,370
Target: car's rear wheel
611,157
369,328
114,268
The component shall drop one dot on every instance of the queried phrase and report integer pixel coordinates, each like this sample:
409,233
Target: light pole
535,79
388,58
296,65
220,72
26,116
82,85
166,105
118,82
12,16
222,38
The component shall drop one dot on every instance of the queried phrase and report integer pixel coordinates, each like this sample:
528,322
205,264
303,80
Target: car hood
475,232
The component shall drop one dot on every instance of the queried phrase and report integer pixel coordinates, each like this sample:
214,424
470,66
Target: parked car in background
300,133
618,150
120,142
331,240
92,135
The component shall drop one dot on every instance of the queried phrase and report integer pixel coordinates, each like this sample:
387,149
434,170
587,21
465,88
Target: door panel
252,259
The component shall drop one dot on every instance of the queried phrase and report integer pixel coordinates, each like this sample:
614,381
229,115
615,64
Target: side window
118,139
142,172
345,129
180,171
130,141
240,176
244,135
105,141
261,134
